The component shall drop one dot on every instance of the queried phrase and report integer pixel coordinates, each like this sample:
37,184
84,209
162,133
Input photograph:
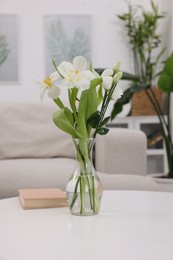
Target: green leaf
88,104
95,82
69,115
129,76
126,97
93,101
94,119
100,95
168,68
94,96
82,113
99,70
59,103
118,106
72,94
165,81
159,55
105,121
82,127
102,131
60,119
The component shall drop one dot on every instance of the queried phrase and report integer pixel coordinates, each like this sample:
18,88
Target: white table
132,225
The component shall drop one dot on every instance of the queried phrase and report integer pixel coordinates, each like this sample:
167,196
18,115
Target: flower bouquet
89,95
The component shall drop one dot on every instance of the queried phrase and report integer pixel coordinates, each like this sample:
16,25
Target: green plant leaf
72,94
93,101
59,103
82,113
102,131
126,97
69,115
129,76
154,7
61,120
105,121
94,119
88,104
95,82
94,96
165,81
100,95
118,106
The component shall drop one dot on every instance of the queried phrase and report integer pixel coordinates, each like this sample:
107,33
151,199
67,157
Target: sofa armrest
121,151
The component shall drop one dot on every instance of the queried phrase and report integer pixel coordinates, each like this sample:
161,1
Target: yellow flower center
47,82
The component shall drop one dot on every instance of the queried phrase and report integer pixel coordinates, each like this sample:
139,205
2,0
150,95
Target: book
42,198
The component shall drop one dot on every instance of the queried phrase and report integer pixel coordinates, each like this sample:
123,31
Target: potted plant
141,27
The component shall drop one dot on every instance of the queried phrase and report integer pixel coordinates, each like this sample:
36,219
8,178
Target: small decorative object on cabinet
89,95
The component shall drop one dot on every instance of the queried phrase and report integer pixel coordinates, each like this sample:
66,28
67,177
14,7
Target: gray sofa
35,153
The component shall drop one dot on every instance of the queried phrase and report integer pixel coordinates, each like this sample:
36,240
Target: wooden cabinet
156,155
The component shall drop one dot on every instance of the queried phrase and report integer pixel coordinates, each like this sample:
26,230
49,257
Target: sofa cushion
34,173
27,131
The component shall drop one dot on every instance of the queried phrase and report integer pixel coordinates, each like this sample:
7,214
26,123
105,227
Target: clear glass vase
84,189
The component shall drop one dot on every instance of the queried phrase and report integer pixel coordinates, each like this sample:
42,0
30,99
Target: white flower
107,78
48,85
75,74
117,93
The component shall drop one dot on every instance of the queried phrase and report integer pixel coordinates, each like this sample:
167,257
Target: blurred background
23,23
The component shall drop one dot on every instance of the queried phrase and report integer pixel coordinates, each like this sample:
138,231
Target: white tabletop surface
132,225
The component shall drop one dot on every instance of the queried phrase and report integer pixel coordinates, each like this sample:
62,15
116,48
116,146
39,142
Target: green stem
59,103
75,195
82,194
86,179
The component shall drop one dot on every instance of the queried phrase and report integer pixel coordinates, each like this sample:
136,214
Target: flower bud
117,77
117,67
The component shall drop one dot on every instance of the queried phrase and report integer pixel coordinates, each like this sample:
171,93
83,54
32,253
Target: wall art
66,36
8,48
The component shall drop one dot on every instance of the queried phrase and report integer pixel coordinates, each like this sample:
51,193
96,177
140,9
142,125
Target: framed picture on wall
8,48
66,36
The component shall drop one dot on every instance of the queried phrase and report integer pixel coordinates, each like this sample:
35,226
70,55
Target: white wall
108,45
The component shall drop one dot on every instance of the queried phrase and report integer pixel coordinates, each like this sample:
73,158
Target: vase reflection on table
89,95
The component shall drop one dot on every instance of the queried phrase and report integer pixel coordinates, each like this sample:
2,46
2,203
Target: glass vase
84,189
